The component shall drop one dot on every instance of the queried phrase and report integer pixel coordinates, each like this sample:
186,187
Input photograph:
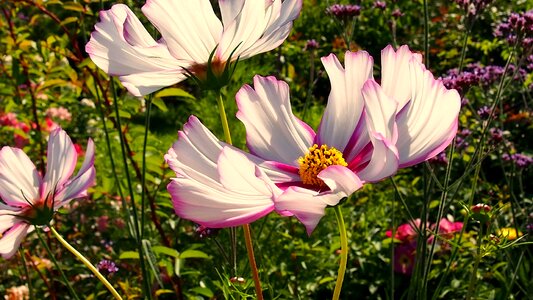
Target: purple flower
380,4
496,134
397,13
205,232
484,112
311,45
520,160
518,25
440,159
473,7
107,267
342,11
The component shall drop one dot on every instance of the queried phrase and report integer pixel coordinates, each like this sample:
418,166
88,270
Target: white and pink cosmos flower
190,33
28,199
368,131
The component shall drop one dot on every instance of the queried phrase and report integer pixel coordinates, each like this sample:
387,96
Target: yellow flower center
316,160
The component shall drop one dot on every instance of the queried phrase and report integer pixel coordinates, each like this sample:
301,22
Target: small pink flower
406,232
404,258
60,113
28,199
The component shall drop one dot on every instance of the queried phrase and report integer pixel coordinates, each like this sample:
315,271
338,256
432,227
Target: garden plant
266,149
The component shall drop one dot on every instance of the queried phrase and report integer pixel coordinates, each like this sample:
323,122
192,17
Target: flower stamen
316,160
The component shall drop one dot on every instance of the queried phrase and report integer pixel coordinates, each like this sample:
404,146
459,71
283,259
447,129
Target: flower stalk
246,227
344,252
86,262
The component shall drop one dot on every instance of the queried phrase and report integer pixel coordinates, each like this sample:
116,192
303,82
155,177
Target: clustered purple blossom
107,266
460,139
311,45
439,159
380,4
473,7
475,74
496,134
344,11
484,112
397,13
205,232
521,160
518,25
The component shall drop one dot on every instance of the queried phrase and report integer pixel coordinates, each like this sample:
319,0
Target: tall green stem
344,252
87,263
143,180
53,257
246,227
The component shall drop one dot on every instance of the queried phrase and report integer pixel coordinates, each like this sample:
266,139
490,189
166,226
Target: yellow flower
509,233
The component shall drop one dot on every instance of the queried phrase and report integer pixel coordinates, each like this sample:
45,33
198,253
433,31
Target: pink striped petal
19,178
61,161
345,103
121,46
395,73
226,203
428,123
10,241
190,29
273,132
380,116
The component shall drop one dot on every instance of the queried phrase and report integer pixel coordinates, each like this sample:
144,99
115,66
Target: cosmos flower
190,33
367,132
28,199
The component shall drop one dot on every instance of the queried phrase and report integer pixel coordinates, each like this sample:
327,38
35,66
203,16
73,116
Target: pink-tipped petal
341,181
308,206
345,102
380,113
428,123
19,179
121,46
395,73
273,132
7,220
85,178
243,194
61,161
190,29
10,241
276,26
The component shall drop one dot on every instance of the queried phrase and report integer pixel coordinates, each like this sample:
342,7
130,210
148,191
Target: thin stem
344,252
146,285
26,273
87,263
246,227
473,277
143,177
53,257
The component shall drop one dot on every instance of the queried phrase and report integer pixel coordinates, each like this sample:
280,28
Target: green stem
473,277
86,263
344,252
246,227
26,273
53,257
143,179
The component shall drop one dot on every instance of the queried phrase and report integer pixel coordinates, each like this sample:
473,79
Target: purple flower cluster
107,267
205,232
484,112
473,7
496,135
311,45
517,26
475,74
460,139
380,4
344,11
440,159
521,160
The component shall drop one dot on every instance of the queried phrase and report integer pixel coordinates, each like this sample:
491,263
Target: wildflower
311,45
447,228
397,13
380,4
518,27
404,258
293,170
197,42
28,199
205,232
440,159
107,267
521,160
406,232
509,233
480,208
17,293
60,113
344,11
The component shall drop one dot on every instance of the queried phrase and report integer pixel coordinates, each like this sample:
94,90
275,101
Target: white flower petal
85,178
121,46
308,206
10,241
243,195
7,220
341,180
61,161
380,113
19,178
428,123
189,28
230,9
273,132
395,74
345,103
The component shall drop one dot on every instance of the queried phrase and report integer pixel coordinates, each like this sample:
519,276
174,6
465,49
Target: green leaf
203,291
69,20
173,92
152,261
129,255
166,250
160,104
193,254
